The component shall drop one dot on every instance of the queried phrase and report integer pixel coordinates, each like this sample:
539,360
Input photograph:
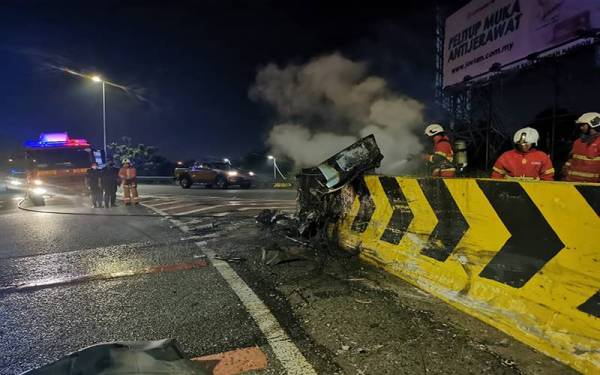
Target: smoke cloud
330,102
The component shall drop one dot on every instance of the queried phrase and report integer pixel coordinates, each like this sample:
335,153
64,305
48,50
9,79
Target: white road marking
266,207
164,203
170,208
288,354
220,214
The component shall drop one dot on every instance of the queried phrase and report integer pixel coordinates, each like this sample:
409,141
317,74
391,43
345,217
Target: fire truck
56,165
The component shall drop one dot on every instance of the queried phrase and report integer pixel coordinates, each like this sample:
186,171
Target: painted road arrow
451,225
402,215
533,242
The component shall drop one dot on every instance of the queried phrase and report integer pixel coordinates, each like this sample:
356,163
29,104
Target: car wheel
221,182
186,182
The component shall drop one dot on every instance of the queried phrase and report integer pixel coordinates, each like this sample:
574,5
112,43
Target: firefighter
128,175
441,161
584,164
110,181
94,183
524,161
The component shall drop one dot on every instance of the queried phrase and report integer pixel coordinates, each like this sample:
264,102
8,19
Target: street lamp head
96,79
270,157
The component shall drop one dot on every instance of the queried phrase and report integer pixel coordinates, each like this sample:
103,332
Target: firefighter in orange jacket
524,161
441,161
584,165
128,176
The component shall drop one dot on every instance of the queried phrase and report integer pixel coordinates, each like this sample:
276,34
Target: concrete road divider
522,256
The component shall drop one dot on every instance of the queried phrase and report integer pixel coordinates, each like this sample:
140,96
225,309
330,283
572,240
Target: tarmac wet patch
60,281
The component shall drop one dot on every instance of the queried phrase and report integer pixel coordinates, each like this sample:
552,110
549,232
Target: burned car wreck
322,196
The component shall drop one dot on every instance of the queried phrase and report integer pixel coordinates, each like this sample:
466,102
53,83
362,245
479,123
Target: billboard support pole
489,124
554,110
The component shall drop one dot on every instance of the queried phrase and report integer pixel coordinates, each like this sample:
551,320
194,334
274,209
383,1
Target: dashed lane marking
287,353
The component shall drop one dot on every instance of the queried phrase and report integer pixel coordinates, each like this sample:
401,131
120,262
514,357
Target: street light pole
104,118
275,168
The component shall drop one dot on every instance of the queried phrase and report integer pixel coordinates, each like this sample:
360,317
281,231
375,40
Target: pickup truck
211,174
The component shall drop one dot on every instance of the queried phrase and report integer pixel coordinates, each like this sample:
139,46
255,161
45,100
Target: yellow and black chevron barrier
523,256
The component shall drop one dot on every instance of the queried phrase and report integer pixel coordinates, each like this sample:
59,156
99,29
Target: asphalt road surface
62,289
194,266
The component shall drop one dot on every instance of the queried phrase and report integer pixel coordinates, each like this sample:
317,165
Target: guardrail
163,180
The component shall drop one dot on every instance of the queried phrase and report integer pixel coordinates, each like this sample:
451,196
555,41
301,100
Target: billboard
486,32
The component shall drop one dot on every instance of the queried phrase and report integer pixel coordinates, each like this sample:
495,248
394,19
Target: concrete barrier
521,256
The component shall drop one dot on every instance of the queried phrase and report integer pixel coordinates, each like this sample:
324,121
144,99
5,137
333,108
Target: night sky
193,61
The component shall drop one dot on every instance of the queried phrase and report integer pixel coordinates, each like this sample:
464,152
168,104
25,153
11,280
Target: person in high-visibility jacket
524,161
128,177
441,160
584,164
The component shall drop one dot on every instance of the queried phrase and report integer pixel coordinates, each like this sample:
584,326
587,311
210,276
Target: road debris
321,202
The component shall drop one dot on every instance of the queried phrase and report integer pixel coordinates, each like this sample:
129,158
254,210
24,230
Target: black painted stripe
451,225
367,206
533,242
592,305
592,196
402,215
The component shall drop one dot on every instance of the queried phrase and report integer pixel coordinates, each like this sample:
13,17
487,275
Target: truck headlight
38,182
39,191
232,173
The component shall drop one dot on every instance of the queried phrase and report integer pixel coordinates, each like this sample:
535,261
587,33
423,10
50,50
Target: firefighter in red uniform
128,176
584,165
524,161
441,161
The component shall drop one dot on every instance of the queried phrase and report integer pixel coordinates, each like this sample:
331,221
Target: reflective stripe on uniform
551,170
584,174
498,170
446,156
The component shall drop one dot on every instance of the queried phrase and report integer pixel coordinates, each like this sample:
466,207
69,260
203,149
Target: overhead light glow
96,79
270,157
39,191
251,173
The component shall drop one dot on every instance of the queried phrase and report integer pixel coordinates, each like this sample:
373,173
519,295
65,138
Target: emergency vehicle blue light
50,140
54,137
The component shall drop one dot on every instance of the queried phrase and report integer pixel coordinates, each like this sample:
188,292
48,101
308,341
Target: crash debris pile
323,193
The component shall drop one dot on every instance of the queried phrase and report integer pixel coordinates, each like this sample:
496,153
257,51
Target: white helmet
526,135
126,161
590,118
433,129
